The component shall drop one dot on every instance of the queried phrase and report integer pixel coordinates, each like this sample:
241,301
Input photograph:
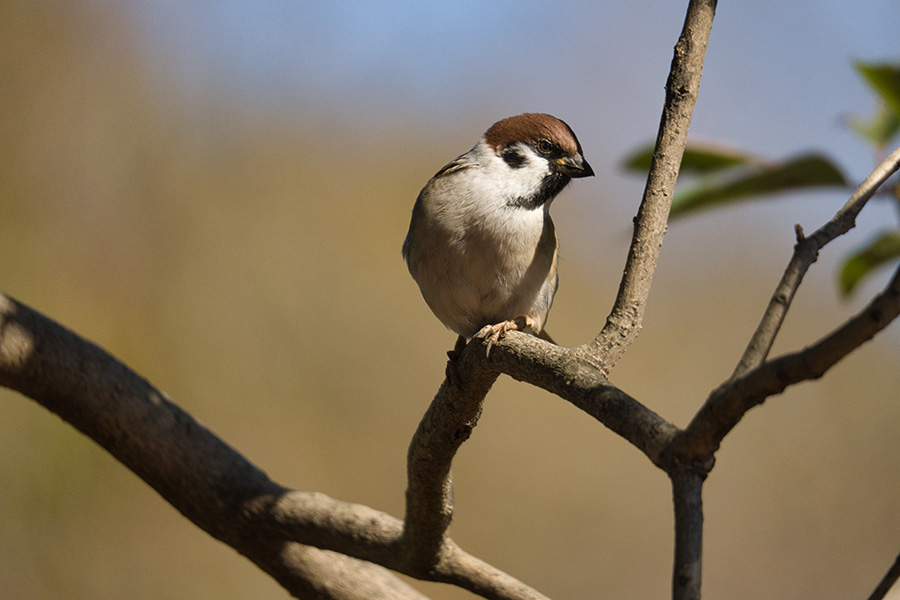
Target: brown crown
530,127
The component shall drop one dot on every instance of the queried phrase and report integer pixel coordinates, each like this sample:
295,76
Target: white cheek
492,193
498,184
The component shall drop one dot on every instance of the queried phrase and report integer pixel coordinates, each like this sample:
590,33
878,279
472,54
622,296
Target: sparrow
481,244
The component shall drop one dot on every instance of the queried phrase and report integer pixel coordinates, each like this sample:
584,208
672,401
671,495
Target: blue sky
778,81
778,74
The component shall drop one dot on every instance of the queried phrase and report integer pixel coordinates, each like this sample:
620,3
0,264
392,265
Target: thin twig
806,251
887,582
466,571
728,403
624,321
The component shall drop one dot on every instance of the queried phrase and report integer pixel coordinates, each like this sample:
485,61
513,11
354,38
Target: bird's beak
574,166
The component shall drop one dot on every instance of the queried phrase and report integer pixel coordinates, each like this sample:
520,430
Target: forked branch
730,402
293,536
806,251
579,375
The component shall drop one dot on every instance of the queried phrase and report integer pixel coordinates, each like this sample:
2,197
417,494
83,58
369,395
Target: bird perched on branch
481,244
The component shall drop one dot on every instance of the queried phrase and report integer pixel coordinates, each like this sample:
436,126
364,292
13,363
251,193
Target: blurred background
217,194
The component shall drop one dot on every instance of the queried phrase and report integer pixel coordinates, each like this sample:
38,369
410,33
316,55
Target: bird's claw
493,333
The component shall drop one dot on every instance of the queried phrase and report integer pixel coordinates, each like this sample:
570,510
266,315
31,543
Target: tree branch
368,534
447,423
687,497
566,373
806,251
216,487
887,582
624,321
730,402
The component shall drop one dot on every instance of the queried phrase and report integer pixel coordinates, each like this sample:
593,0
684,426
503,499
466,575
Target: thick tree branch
806,251
564,372
320,574
624,322
687,497
213,485
368,534
447,423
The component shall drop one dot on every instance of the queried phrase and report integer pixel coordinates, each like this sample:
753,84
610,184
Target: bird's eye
544,146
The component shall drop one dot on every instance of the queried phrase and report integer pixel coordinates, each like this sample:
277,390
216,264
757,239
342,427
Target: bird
481,244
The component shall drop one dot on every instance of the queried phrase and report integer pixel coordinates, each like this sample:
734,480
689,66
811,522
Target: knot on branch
686,454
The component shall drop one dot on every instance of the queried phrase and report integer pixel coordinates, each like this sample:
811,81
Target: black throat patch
549,189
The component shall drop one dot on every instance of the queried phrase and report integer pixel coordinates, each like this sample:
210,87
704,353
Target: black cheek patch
512,157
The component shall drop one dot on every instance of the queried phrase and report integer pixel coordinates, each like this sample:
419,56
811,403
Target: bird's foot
493,333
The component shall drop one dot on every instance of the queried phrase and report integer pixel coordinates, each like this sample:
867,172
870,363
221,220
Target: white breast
478,259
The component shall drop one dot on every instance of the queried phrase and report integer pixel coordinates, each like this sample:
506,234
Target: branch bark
806,251
730,402
624,321
687,498
447,423
887,582
564,372
216,487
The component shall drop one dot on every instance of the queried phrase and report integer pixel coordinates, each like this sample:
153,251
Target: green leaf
883,249
807,171
698,158
884,79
